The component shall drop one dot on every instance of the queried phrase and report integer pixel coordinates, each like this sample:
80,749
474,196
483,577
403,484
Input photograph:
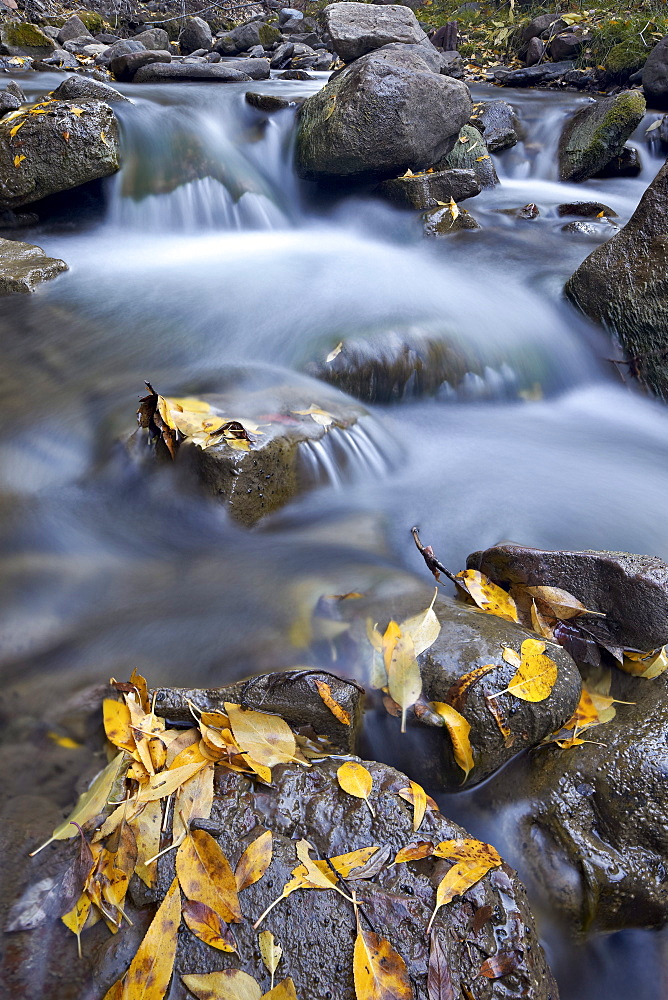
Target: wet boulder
426,190
655,76
623,285
394,365
358,28
39,159
83,88
597,133
397,901
498,123
125,67
569,44
21,39
470,153
630,590
533,76
166,72
8,102
586,209
591,818
267,102
195,34
443,221
385,113
73,28
23,267
502,725
153,38
626,164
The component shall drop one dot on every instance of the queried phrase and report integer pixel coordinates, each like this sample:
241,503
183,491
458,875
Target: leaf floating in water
489,598
205,875
356,780
254,862
325,692
473,859
459,730
403,675
230,984
271,953
379,971
208,926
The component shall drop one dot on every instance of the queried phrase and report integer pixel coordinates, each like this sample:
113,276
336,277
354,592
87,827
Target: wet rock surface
24,266
470,153
655,76
442,221
165,72
80,88
597,133
49,163
622,284
427,190
498,123
383,114
631,590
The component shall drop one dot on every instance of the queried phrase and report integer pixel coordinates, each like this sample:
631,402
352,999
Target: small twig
434,565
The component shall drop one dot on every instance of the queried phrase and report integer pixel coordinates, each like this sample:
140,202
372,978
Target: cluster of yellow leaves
595,707
176,419
647,665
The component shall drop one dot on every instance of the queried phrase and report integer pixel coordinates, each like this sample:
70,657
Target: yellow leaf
146,827
424,628
511,657
194,800
454,208
285,990
230,984
473,859
650,667
325,692
268,739
166,782
490,598
77,111
90,804
205,875
18,160
208,926
458,693
389,641
417,796
77,917
403,676
459,730
151,968
321,417
562,604
116,718
356,780
409,173
378,671
271,953
414,852
334,353
15,128
64,741
379,971
254,862
536,674
103,138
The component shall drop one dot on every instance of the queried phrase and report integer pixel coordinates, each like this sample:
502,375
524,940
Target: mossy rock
25,40
597,133
269,35
94,22
625,59
470,153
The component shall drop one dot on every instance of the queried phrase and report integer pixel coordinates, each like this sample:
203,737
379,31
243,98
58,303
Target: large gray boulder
498,123
357,28
166,72
195,34
73,28
597,133
66,146
385,113
430,190
125,67
24,266
623,284
153,38
84,88
655,76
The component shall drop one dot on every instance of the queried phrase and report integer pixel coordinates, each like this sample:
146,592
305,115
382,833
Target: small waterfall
345,455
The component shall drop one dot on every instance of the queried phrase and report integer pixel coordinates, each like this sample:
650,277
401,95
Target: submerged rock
24,266
586,209
427,190
622,284
60,148
267,102
630,590
385,113
591,819
597,133
627,164
358,28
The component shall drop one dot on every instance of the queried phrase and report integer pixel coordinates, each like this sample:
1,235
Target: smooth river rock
383,114
428,190
39,160
23,266
597,133
358,28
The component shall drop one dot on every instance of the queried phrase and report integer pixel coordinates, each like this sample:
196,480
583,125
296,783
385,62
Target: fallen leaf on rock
193,800
540,624
403,676
648,665
321,417
416,795
76,919
439,977
206,925
500,719
501,964
482,915
271,953
205,875
18,160
325,692
285,990
536,674
473,859
146,826
459,730
366,869
423,628
511,657
151,968
453,208
414,852
268,739
154,415
562,604
254,862
117,724
490,598
334,353
379,971
230,984
157,786
459,691
356,780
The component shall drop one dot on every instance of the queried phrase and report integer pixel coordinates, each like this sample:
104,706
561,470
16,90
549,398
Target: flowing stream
209,257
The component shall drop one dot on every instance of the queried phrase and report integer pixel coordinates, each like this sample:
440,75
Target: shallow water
175,280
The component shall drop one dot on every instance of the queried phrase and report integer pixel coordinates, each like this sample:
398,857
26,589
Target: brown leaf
379,971
439,979
501,964
482,915
500,719
230,984
268,739
254,862
459,691
325,692
562,604
151,968
415,852
155,415
208,926
370,868
205,875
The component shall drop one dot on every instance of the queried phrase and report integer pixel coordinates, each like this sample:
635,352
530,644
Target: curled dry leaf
487,595
205,875
459,691
208,926
254,862
370,868
325,692
416,795
230,984
268,739
423,628
501,964
561,604
356,780
459,730
379,971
